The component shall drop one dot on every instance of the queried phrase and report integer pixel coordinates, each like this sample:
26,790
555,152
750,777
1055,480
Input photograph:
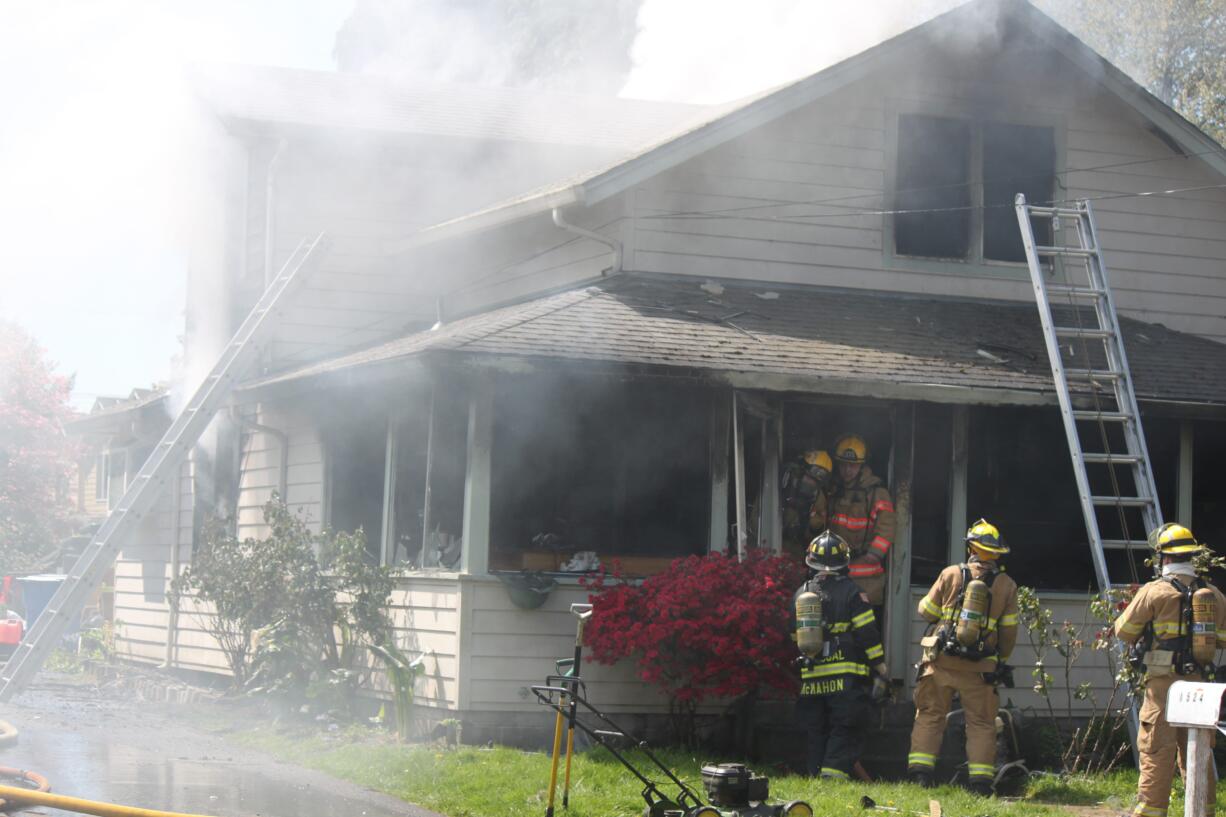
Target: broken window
446,467
355,445
1021,479
410,444
1016,159
934,165
952,169
617,468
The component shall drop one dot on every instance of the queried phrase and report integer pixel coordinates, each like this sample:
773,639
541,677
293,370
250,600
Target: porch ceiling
808,334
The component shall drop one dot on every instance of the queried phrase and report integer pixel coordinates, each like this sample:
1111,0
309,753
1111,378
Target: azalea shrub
708,627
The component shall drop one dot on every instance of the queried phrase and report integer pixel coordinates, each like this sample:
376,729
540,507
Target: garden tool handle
583,611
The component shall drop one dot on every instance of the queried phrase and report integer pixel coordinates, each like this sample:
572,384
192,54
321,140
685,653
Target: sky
92,96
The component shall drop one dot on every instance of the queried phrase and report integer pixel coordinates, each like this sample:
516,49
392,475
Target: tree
574,45
36,457
1175,48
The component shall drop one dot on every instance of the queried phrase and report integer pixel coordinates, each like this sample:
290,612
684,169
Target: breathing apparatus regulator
967,636
828,553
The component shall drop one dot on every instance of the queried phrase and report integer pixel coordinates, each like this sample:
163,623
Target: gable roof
735,119
798,338
328,99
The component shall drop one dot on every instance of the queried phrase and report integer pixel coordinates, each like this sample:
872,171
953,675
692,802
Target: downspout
270,220
612,243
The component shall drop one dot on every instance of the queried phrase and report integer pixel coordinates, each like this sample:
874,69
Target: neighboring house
591,358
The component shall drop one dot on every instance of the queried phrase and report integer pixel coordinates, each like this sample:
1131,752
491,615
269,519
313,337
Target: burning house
551,325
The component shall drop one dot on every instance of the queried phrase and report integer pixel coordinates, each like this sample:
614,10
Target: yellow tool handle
16,794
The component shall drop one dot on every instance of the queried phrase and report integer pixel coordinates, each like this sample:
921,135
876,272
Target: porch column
770,528
958,484
387,548
738,460
476,551
721,422
1183,484
898,591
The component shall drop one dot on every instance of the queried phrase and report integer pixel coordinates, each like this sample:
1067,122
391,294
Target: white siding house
691,262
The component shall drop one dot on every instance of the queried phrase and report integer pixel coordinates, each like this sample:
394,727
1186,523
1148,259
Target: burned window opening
952,169
934,166
1020,478
1016,159
411,437
355,443
446,467
617,468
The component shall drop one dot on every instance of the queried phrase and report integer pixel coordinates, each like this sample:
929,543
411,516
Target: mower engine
737,791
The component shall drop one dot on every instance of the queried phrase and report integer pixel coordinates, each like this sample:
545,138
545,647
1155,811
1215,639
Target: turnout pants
835,726
1161,747
933,696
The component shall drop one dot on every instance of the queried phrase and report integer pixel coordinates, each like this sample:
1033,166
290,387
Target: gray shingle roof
809,332
365,102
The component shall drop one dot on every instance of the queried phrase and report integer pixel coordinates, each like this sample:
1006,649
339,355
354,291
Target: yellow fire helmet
828,551
819,458
1173,538
850,448
985,538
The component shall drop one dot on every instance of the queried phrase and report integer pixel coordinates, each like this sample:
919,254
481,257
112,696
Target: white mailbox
1196,705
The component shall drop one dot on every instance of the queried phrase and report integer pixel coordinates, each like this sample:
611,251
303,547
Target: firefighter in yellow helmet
858,507
971,612
803,479
842,664
1175,625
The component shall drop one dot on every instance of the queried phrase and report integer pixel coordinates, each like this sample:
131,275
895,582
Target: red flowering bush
707,627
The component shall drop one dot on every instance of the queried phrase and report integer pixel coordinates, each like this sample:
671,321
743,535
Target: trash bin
37,591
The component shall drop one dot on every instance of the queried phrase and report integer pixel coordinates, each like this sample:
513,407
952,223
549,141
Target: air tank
810,629
974,613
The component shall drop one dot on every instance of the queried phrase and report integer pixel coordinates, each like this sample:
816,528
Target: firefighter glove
1001,676
881,689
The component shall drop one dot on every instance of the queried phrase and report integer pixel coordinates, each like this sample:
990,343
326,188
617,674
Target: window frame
975,264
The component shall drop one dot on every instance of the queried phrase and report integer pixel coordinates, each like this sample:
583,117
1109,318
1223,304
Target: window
356,450
585,465
968,173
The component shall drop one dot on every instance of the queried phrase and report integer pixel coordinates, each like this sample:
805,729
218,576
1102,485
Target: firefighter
1168,623
802,480
842,664
972,615
859,508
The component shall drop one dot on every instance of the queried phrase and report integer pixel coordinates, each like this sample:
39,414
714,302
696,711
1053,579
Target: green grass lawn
501,782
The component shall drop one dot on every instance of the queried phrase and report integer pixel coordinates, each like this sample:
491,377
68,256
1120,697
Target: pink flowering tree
36,457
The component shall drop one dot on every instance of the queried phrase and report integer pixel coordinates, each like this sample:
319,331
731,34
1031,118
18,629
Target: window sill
965,269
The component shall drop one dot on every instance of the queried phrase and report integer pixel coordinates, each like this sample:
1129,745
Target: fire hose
18,796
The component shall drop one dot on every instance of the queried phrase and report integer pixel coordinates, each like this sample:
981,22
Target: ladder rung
609,734
1125,501
1076,292
1060,212
1105,416
1093,374
1124,544
1078,332
1071,252
1107,459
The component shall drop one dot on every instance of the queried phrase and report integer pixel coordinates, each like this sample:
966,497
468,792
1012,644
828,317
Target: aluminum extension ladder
161,466
1086,348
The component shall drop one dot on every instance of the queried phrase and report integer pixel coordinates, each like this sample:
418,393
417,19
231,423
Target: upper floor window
958,178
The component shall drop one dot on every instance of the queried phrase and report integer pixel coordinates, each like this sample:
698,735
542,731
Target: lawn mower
732,789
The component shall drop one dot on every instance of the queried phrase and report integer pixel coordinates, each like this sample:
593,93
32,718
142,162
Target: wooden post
738,459
898,575
721,422
387,550
958,484
431,453
475,555
1196,789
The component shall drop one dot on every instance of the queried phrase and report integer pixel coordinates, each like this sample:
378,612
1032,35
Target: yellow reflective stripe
1166,628
1129,628
875,651
927,605
840,668
1008,620
841,627
863,619
921,759
981,769
1148,811
828,772
990,626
